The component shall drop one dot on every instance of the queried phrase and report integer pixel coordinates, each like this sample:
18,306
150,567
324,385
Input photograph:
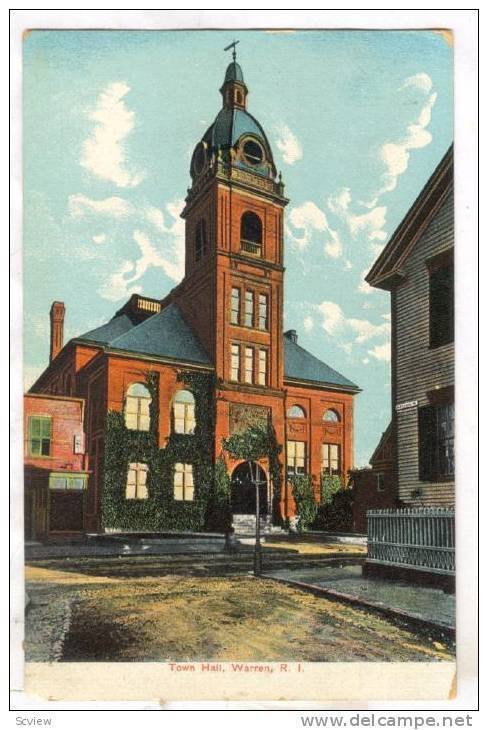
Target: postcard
239,408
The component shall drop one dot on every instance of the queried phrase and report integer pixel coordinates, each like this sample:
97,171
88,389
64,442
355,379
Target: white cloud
343,328
308,324
309,218
100,238
395,155
103,152
79,206
371,223
333,318
168,253
381,352
365,330
421,81
117,285
288,144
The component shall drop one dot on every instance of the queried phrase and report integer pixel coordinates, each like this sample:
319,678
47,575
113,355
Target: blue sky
357,121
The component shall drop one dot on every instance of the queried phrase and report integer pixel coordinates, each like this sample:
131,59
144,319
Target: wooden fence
420,538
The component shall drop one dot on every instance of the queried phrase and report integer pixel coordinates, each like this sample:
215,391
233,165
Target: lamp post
257,544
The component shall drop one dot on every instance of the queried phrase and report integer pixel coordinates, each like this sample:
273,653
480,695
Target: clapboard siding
418,369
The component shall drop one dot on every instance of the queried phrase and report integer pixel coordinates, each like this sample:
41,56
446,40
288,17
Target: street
201,607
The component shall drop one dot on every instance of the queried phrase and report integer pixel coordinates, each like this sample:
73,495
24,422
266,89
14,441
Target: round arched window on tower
253,152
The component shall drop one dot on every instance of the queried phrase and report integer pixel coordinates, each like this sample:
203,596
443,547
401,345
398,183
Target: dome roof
234,73
230,125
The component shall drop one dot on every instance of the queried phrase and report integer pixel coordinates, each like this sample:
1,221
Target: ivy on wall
160,511
211,508
302,491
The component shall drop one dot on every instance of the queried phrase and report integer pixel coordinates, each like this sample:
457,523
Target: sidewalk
430,607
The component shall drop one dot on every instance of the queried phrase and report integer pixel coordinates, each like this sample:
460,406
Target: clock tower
232,293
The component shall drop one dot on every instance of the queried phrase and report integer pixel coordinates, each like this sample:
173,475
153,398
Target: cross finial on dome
233,46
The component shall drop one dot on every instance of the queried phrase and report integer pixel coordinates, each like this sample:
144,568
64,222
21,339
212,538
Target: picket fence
420,538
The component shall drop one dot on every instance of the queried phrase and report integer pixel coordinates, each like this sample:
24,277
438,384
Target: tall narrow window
200,240
251,233
248,364
183,482
184,412
249,309
137,404
136,487
263,367
295,457
441,299
263,312
40,434
235,364
235,305
436,442
330,459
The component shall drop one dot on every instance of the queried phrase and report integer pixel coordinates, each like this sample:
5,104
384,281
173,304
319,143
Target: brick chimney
57,327
292,335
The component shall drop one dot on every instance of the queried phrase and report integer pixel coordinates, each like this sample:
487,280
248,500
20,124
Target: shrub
335,511
303,494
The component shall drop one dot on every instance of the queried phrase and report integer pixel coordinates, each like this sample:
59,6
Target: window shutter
426,437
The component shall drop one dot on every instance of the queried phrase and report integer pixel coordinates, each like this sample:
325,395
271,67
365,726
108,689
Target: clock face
253,152
199,159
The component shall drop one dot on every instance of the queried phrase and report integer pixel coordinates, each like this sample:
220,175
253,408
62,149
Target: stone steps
246,525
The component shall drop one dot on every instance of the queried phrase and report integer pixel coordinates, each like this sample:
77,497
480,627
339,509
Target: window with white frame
136,487
183,482
263,312
235,362
263,367
235,305
184,412
248,364
295,457
249,309
330,459
137,403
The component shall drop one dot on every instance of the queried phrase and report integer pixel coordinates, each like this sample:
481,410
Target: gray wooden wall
416,368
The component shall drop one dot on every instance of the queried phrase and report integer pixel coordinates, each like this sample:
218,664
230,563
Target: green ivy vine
210,509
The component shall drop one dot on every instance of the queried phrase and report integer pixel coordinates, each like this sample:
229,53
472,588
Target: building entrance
243,490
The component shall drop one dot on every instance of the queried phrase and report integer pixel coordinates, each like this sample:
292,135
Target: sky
357,121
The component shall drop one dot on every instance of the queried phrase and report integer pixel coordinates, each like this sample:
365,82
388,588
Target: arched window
184,412
251,233
137,402
295,412
200,240
332,415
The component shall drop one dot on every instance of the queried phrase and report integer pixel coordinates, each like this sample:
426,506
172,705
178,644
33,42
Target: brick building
375,487
221,326
55,465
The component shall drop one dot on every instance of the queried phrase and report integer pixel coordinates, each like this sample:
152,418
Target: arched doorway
243,490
